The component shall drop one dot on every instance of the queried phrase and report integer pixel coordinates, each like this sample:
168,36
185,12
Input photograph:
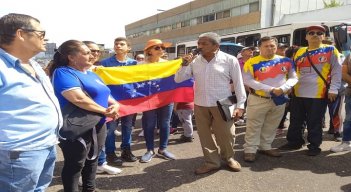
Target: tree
333,3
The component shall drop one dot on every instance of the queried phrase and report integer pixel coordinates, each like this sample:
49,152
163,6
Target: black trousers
76,163
312,111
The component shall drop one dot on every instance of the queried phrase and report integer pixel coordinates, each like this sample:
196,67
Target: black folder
226,107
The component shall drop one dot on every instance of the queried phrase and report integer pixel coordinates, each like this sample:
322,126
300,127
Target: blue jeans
26,170
110,147
163,116
347,121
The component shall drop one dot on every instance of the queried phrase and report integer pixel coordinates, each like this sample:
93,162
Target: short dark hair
267,38
122,39
10,23
70,47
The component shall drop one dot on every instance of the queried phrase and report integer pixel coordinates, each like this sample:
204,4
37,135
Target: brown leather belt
253,93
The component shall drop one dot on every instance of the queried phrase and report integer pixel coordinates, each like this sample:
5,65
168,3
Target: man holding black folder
266,75
212,71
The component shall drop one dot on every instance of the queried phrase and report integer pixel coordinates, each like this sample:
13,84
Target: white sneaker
117,133
344,146
141,134
80,182
108,169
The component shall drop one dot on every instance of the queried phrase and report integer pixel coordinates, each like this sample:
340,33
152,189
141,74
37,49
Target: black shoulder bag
327,85
77,121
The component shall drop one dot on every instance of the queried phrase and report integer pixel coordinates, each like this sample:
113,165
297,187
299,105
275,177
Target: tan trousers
217,137
263,118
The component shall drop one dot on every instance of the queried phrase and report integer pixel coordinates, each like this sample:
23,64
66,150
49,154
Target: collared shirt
212,79
113,62
263,74
327,60
30,113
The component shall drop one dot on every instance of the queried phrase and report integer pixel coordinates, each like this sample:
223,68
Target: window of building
208,18
222,14
235,11
193,22
185,23
254,7
245,9
199,20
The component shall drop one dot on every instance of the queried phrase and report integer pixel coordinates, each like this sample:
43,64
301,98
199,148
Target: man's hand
277,91
187,59
237,113
332,96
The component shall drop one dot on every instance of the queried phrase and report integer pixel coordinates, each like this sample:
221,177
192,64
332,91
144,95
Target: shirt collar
10,58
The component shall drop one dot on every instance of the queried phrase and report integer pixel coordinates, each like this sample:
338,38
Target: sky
95,20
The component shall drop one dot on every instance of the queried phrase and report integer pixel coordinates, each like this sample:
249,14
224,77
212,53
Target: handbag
226,107
77,121
327,85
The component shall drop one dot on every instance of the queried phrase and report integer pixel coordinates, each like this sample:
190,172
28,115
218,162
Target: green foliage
333,3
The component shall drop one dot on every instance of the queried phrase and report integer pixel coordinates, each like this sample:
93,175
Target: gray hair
214,37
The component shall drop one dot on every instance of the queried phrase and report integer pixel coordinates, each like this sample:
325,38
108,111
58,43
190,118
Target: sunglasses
317,33
159,47
40,34
94,51
139,58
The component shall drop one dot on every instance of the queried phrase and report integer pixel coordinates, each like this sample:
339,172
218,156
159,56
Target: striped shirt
212,79
263,74
327,60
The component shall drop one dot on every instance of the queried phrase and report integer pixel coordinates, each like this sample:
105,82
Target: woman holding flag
153,51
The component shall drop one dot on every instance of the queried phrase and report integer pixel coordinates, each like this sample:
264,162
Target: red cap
315,27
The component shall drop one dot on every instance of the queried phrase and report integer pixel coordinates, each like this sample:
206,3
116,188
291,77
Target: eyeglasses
314,32
159,47
40,34
94,51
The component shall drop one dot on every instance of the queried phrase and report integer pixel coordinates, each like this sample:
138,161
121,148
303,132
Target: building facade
186,22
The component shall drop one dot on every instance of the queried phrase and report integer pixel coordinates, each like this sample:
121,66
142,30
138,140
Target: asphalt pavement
294,172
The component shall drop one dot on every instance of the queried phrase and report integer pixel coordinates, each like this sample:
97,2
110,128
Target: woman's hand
112,111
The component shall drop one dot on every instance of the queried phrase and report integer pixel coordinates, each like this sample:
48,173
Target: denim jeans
163,116
26,171
347,121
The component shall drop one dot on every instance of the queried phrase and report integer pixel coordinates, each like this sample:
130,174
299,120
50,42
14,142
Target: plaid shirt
212,79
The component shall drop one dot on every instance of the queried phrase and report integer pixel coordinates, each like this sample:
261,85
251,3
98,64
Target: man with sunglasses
121,48
29,111
318,67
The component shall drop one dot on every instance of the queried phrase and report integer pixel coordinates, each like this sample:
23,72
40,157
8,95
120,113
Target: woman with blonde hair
153,52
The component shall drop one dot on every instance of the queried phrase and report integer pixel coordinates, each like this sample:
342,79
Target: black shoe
289,146
184,139
128,156
313,152
113,159
337,136
330,131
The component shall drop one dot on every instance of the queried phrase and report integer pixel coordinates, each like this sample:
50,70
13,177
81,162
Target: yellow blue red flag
145,87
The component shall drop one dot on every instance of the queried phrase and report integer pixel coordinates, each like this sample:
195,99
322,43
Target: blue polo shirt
29,111
113,62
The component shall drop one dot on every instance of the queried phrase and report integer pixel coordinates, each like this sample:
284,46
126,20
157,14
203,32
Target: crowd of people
268,81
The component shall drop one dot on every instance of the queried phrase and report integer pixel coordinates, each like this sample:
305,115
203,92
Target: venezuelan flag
145,87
